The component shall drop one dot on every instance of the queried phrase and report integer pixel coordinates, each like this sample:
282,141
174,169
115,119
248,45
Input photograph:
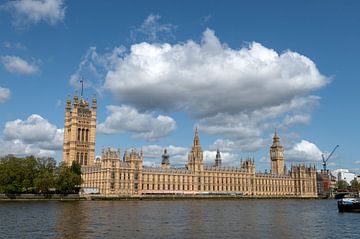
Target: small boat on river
349,204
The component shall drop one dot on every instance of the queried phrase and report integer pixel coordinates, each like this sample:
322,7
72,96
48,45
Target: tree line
343,185
38,175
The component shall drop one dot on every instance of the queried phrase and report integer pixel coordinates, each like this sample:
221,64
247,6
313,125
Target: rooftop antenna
82,86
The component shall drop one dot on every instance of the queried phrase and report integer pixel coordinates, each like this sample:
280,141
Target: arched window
87,135
85,159
82,134
82,159
78,134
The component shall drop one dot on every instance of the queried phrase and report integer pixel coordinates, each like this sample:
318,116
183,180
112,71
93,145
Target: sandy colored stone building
118,174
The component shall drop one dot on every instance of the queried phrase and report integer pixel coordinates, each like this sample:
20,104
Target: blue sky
235,69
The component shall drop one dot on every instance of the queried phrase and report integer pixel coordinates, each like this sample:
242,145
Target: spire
165,158
218,158
76,98
68,103
196,138
276,139
93,106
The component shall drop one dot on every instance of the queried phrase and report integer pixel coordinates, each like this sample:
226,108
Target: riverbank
35,197
77,197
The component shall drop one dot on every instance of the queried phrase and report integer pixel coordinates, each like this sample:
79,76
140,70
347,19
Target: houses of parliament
122,174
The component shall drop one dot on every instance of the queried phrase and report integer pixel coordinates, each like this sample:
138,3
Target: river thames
177,219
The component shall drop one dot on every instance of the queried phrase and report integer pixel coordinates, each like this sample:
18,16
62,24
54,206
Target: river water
177,219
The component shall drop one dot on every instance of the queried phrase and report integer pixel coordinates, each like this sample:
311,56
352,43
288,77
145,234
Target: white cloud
93,67
26,12
250,144
4,94
244,131
142,125
304,151
238,94
33,136
17,147
33,129
152,30
357,162
155,151
15,45
296,119
15,64
227,159
178,155
210,78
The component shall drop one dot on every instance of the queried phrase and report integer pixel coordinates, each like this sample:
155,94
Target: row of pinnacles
116,175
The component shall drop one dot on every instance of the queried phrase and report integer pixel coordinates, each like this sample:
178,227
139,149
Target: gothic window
87,135
81,159
112,186
78,134
85,159
112,175
82,135
78,158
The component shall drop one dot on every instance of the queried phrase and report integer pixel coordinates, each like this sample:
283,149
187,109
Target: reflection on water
70,219
177,219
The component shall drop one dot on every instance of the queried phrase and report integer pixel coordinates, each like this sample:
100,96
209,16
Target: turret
68,104
217,159
195,157
165,163
94,103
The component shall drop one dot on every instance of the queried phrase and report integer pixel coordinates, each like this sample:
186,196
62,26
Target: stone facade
79,131
114,176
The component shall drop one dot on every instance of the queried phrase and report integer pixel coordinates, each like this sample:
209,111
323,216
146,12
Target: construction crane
325,160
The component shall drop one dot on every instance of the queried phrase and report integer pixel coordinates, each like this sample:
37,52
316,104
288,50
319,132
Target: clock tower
277,156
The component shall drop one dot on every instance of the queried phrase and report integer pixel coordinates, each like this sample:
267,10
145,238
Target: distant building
116,176
346,176
326,183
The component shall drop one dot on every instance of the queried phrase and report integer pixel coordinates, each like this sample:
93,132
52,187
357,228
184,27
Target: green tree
342,184
17,174
76,167
45,178
355,185
67,181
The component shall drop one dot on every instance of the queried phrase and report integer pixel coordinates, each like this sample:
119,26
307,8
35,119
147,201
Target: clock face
273,154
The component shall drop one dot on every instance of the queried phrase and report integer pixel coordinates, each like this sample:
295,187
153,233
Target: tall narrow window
87,135
78,134
85,159
82,135
82,159
78,158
